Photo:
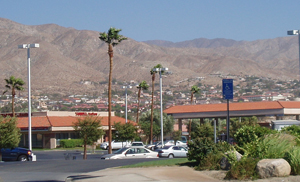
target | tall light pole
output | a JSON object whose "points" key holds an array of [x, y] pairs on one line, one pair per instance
{"points": [[126, 87], [296, 32], [28, 46], [161, 103]]}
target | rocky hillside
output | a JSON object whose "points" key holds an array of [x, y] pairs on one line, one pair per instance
{"points": [[67, 57]]}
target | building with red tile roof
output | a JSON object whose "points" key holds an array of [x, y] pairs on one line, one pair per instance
{"points": [[49, 127], [278, 109]]}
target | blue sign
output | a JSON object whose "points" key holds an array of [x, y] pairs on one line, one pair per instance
{"points": [[227, 85]]}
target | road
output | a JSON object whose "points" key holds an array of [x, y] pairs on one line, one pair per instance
{"points": [[56, 166]]}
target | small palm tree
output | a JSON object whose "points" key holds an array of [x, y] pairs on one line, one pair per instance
{"points": [[142, 86], [13, 84], [152, 102], [112, 38], [194, 89]]}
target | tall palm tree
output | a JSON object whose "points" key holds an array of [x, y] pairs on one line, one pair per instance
{"points": [[13, 84], [142, 86], [112, 38], [152, 102], [194, 89]]}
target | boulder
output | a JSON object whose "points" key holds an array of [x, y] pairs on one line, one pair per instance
{"points": [[267, 168]]}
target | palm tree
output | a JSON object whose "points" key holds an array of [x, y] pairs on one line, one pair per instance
{"points": [[152, 104], [194, 89], [143, 85], [13, 84], [112, 38]]}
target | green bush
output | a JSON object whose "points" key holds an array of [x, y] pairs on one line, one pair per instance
{"points": [[293, 158], [293, 130], [271, 146], [204, 130], [211, 162], [248, 134], [243, 169], [66, 143], [199, 148]]}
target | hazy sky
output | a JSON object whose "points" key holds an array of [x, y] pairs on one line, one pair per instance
{"points": [[172, 20]]}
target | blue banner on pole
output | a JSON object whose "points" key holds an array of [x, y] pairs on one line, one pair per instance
{"points": [[227, 85]]}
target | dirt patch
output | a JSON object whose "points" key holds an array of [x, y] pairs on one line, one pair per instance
{"points": [[220, 175]]}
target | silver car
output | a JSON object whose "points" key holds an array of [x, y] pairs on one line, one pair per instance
{"points": [[131, 153], [172, 151]]}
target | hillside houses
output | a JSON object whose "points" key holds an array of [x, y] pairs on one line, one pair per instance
{"points": [[246, 89]]}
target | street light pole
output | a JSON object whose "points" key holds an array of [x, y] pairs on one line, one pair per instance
{"points": [[161, 103], [28, 46], [296, 32], [127, 86]]}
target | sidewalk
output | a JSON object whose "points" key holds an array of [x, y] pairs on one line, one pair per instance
{"points": [[174, 174]]}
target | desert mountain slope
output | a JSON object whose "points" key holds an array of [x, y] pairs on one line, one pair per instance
{"points": [[67, 57]]}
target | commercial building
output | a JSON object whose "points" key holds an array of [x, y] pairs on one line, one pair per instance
{"points": [[48, 128]]}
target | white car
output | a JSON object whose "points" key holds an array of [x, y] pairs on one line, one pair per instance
{"points": [[141, 144], [115, 145], [166, 143], [182, 144], [131, 153], [172, 151]]}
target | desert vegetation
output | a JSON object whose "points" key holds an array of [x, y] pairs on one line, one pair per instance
{"points": [[252, 141]]}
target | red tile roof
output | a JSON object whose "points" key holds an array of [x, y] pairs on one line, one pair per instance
{"points": [[39, 121], [233, 106], [63, 121]]}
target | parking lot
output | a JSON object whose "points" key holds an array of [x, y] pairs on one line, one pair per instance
{"points": [[58, 165]]}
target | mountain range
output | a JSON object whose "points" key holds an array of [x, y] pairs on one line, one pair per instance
{"points": [[68, 60]]}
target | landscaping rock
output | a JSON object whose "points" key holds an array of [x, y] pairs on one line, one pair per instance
{"points": [[267, 168], [224, 164]]}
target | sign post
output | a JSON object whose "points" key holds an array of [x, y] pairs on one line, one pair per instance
{"points": [[227, 85]]}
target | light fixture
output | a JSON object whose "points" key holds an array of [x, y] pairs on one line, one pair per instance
{"points": [[28, 46]]}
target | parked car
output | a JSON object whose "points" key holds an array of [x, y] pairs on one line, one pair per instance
{"points": [[166, 143], [172, 151], [131, 153], [115, 145], [16, 154], [152, 146], [141, 144], [182, 144]]}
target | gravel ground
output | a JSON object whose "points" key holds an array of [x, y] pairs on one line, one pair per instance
{"points": [[220, 175]]}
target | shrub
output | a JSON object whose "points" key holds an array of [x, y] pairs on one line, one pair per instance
{"points": [[66, 143], [293, 130], [293, 158], [243, 169], [199, 148], [204, 130], [211, 162], [272, 146], [248, 134]]}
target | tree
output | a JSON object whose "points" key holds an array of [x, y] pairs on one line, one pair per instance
{"points": [[143, 85], [13, 84], [125, 131], [168, 123], [9, 133], [194, 89], [112, 38], [89, 131], [176, 135], [152, 102]]}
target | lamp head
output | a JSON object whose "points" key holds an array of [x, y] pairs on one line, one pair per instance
{"points": [[293, 32]]}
